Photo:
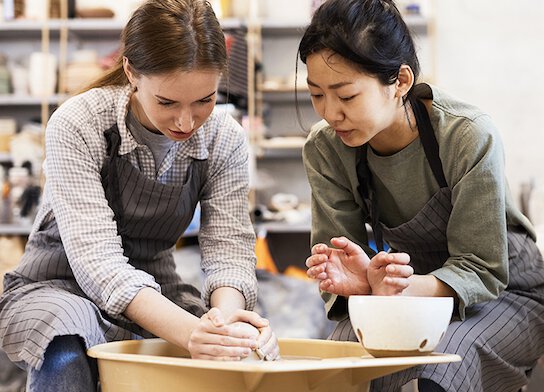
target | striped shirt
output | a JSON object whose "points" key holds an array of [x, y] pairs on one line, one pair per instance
{"points": [[74, 197]]}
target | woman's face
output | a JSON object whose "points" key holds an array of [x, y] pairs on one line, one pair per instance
{"points": [[356, 105], [175, 104]]}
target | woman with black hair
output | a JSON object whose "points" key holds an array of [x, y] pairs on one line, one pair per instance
{"points": [[426, 171]]}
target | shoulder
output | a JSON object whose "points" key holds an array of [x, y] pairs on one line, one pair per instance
{"points": [[92, 111], [455, 118], [222, 135], [466, 135]]}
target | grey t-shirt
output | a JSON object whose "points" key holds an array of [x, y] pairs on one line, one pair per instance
{"points": [[158, 143]]}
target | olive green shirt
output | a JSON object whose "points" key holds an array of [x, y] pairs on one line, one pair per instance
{"points": [[472, 157]]}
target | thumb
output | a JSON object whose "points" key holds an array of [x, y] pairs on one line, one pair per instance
{"points": [[350, 247]]}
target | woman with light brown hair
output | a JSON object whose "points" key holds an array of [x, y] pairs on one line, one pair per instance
{"points": [[127, 161]]}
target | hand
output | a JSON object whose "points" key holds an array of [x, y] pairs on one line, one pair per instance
{"points": [[267, 343], [217, 340], [340, 270], [388, 273]]}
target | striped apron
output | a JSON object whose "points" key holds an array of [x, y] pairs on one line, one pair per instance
{"points": [[42, 298], [500, 340]]}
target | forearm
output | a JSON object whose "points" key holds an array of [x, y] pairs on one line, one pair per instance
{"points": [[160, 316], [228, 300], [428, 286]]}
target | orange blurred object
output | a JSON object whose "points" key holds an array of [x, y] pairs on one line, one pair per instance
{"points": [[264, 258]]}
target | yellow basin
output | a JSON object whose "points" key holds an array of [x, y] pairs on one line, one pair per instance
{"points": [[155, 365]]}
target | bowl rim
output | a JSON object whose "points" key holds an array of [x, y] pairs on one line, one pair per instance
{"points": [[399, 298]]}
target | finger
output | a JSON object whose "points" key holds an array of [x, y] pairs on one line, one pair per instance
{"points": [[316, 260], [267, 347], [326, 285], [398, 258], [201, 338], [398, 283], [274, 355], [402, 271], [216, 317], [250, 317], [315, 271], [218, 352], [350, 247], [381, 260], [320, 249]]}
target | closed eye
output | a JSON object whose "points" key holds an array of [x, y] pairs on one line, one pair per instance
{"points": [[165, 103], [347, 99]]}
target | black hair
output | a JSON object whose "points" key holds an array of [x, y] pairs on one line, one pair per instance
{"points": [[371, 34]]}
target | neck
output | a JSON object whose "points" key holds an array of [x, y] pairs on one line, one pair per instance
{"points": [[396, 137], [139, 114]]}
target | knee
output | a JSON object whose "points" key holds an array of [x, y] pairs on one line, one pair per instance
{"points": [[66, 368], [63, 353]]}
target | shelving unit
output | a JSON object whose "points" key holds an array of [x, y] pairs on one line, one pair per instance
{"points": [[19, 38], [272, 46]]}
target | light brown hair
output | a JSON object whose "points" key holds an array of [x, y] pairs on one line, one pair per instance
{"points": [[163, 36]]}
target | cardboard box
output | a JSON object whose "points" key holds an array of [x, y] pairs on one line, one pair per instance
{"points": [[306, 365]]}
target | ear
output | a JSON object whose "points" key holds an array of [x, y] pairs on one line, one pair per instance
{"points": [[405, 81], [131, 75]]}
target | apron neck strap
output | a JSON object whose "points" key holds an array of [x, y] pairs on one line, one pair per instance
{"points": [[431, 149], [428, 141]]}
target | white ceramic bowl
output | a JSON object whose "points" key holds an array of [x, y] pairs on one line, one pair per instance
{"points": [[390, 326]]}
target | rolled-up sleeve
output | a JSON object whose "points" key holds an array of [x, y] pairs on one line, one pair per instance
{"points": [[477, 268], [227, 238]]}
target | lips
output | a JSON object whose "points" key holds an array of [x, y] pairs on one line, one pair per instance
{"points": [[180, 135], [343, 132]]}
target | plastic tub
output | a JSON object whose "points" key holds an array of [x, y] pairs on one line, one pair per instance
{"points": [[306, 365]]}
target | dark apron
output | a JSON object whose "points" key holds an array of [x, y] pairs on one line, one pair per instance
{"points": [[42, 298], [484, 342]]}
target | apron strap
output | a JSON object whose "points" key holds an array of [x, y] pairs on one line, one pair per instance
{"points": [[109, 172], [431, 149], [366, 190], [429, 142]]}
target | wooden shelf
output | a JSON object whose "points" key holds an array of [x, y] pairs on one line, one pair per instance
{"points": [[281, 147], [28, 100], [15, 229], [97, 27]]}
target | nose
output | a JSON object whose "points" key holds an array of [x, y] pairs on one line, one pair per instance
{"points": [[332, 112], [185, 122]]}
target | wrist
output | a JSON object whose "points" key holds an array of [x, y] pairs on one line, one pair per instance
{"points": [[228, 300]]}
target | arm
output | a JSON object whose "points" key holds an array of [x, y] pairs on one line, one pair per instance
{"points": [[336, 205], [477, 269], [227, 238]]}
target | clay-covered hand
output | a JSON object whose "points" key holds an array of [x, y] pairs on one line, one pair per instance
{"points": [[216, 339], [388, 273], [340, 270], [267, 343]]}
